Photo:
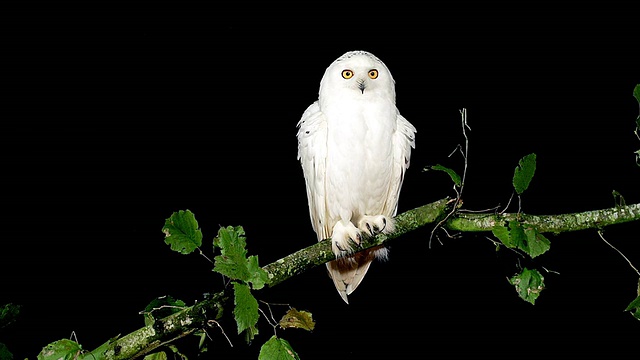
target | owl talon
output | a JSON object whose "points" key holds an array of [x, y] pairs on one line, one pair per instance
{"points": [[345, 237], [356, 242], [375, 224]]}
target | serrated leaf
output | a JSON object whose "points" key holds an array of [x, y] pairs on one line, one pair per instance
{"points": [[60, 350], [162, 307], [277, 349], [537, 244], [233, 262], [9, 314], [452, 174], [245, 310], [516, 233], [501, 232], [258, 276], [511, 236], [231, 241], [528, 284], [182, 232], [522, 236], [297, 319], [524, 173], [635, 304]]}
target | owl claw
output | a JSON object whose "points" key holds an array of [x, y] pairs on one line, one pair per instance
{"points": [[357, 240], [375, 224], [344, 238]]}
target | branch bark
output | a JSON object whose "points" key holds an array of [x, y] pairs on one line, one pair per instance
{"points": [[163, 331], [321, 253], [595, 219], [191, 319]]}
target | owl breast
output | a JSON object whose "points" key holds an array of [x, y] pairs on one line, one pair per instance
{"points": [[359, 158]]}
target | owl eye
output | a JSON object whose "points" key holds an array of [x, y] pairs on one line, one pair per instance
{"points": [[373, 73], [347, 74]]}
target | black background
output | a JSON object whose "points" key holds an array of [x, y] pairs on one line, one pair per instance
{"points": [[116, 121]]}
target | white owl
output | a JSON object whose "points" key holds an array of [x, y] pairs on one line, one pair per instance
{"points": [[354, 148]]}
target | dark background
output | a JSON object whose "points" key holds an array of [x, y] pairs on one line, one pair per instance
{"points": [[115, 122]]}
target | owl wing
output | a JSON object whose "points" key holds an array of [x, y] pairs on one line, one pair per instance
{"points": [[404, 139], [312, 153]]}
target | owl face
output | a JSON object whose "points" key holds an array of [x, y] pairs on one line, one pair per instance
{"points": [[357, 74]]}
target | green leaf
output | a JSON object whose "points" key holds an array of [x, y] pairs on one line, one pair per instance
{"points": [[258, 276], [634, 307], [233, 262], [522, 236], [60, 350], [246, 310], [297, 319], [182, 232], [452, 174], [501, 232], [528, 284], [524, 173], [5, 354], [511, 237], [516, 233], [162, 307], [536, 244], [9, 314], [160, 355], [277, 349]]}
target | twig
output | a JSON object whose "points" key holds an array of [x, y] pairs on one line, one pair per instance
{"points": [[465, 154], [619, 252]]}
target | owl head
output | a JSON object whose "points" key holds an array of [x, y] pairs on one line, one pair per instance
{"points": [[357, 74]]}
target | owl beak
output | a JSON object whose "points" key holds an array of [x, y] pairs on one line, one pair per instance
{"points": [[361, 86]]}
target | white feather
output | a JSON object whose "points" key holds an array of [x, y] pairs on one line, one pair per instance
{"points": [[354, 148]]}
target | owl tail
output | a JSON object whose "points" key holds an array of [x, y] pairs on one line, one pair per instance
{"points": [[347, 272]]}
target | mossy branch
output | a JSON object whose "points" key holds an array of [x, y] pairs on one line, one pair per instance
{"points": [[596, 219], [199, 316], [162, 331], [320, 253]]}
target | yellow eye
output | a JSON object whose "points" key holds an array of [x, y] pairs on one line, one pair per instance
{"points": [[347, 74], [373, 73]]}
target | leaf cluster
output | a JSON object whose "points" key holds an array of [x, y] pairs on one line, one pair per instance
{"points": [[246, 275]]}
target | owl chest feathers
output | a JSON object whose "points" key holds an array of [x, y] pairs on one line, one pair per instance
{"points": [[359, 164]]}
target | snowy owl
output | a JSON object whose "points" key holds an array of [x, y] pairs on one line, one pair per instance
{"points": [[354, 148]]}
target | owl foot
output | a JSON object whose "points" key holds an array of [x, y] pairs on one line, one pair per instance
{"points": [[373, 225], [345, 235]]}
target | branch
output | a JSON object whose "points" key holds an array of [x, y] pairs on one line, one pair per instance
{"points": [[470, 222], [321, 253], [196, 317], [161, 332]]}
